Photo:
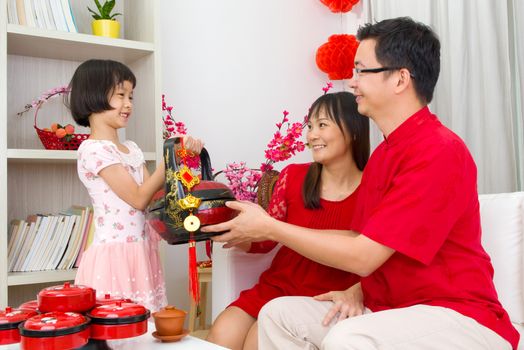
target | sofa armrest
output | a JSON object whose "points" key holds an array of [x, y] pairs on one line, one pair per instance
{"points": [[233, 271]]}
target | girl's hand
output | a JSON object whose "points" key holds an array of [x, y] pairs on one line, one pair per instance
{"points": [[193, 144], [347, 303]]}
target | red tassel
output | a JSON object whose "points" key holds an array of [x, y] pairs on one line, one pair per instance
{"points": [[194, 289], [209, 248]]}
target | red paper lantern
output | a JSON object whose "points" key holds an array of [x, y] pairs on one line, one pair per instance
{"points": [[337, 55], [339, 5]]}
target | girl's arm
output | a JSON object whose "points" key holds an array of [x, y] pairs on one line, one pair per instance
{"points": [[139, 196], [125, 187]]}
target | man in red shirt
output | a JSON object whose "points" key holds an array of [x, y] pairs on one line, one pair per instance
{"points": [[427, 282]]}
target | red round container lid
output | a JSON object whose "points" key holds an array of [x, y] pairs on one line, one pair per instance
{"points": [[118, 310], [118, 313], [107, 299], [29, 305], [56, 320], [65, 290], [10, 318]]}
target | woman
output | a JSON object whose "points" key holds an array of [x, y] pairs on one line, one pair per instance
{"points": [[319, 195]]}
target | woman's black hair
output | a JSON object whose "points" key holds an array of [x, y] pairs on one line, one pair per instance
{"points": [[91, 85], [341, 107]]}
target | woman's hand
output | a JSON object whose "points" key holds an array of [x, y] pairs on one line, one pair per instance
{"points": [[347, 303]]}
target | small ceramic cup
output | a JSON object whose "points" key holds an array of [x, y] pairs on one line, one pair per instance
{"points": [[169, 321]]}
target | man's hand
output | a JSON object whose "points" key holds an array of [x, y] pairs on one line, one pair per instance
{"points": [[250, 225], [347, 303]]}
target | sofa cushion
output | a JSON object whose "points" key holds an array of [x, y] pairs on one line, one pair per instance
{"points": [[502, 237]]}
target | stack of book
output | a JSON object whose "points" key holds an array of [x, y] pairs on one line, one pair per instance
{"points": [[46, 14], [50, 242]]}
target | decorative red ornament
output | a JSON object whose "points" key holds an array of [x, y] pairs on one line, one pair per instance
{"points": [[337, 55], [339, 5]]}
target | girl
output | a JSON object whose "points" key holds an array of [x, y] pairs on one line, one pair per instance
{"points": [[123, 259], [319, 195]]}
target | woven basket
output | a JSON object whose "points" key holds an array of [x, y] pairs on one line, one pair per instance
{"points": [[51, 141]]}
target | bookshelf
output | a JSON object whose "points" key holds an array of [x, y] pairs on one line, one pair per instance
{"points": [[34, 60]]}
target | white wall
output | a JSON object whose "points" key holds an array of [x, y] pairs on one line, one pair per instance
{"points": [[230, 68]]}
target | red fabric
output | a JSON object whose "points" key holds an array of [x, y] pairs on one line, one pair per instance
{"points": [[419, 196], [290, 273], [337, 55]]}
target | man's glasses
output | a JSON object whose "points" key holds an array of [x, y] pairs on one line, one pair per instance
{"points": [[358, 71]]}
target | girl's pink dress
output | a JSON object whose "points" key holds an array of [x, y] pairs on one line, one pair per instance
{"points": [[123, 259]]}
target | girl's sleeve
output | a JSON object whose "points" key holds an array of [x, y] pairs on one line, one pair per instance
{"points": [[99, 156], [277, 208]]}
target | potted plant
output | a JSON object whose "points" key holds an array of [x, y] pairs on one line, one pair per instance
{"points": [[104, 23]]}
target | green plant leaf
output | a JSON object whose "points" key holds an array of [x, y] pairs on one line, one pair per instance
{"points": [[116, 14], [94, 14], [99, 7], [107, 8]]}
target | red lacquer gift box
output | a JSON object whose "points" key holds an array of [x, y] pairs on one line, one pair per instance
{"points": [[10, 319], [68, 297], [117, 321], [54, 330]]}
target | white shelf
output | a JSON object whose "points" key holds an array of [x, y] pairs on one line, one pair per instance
{"points": [[51, 156], [36, 42], [24, 278]]}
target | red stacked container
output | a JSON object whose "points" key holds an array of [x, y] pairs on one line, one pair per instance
{"points": [[118, 320], [54, 330], [10, 319], [74, 298]]}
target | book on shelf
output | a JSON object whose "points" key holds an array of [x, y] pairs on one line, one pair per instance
{"points": [[17, 245], [85, 238], [36, 261], [14, 240], [50, 247], [68, 14], [39, 233], [29, 14], [58, 15], [62, 241], [73, 245], [49, 242], [12, 16], [20, 12], [37, 11], [45, 14], [49, 15], [27, 242]]}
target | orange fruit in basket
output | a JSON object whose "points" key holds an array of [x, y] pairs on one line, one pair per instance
{"points": [[54, 127], [69, 129], [60, 133]]}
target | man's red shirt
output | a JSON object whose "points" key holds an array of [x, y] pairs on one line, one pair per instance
{"points": [[419, 197]]}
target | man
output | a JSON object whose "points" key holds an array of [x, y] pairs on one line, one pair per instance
{"points": [[426, 280]]}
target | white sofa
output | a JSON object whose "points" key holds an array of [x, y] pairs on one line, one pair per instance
{"points": [[502, 217]]}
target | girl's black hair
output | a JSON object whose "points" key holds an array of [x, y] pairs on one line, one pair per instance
{"points": [[91, 85], [341, 107]]}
